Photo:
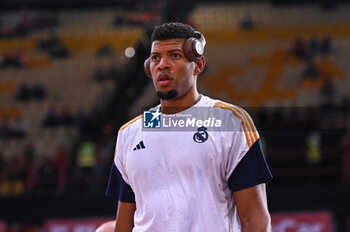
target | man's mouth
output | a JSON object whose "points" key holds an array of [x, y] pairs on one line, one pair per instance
{"points": [[164, 79]]}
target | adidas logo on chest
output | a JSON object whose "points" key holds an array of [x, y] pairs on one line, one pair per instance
{"points": [[139, 146]]}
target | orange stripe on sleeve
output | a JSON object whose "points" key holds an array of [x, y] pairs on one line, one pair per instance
{"points": [[115, 152], [243, 123], [248, 126], [122, 128], [249, 121], [131, 121], [249, 130]]}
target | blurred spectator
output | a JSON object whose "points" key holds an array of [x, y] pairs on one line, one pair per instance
{"points": [[26, 23], [59, 51], [4, 172], [100, 74], [18, 128], [24, 92], [52, 118], [12, 128], [43, 21], [60, 163], [34, 92], [118, 21], [102, 166], [139, 13], [38, 92], [86, 159], [246, 22], [88, 126], [32, 167], [104, 50], [17, 174], [17, 30], [5, 130], [326, 45], [327, 92], [113, 72], [47, 43], [311, 71], [313, 47], [46, 176], [314, 154], [299, 47], [54, 47], [63, 117], [11, 60], [177, 10], [66, 117], [139, 18], [317, 46]]}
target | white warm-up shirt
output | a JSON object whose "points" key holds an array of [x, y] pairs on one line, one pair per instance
{"points": [[183, 178]]}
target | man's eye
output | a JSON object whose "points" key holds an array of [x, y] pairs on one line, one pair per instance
{"points": [[175, 55], [154, 58]]}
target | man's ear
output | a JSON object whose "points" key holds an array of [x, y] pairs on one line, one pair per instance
{"points": [[200, 64]]}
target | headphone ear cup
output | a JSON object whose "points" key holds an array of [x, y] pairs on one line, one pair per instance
{"points": [[188, 49], [193, 49], [147, 68]]}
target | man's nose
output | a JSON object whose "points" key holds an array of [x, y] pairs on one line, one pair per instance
{"points": [[164, 64]]}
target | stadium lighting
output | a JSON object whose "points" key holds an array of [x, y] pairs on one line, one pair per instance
{"points": [[129, 52]]}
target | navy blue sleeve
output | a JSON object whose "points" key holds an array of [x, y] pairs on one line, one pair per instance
{"points": [[251, 170], [117, 187]]}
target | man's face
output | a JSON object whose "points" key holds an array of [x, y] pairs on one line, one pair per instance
{"points": [[170, 69]]}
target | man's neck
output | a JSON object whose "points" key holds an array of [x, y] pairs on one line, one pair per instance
{"points": [[173, 106]]}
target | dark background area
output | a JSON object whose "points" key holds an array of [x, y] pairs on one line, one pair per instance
{"points": [[299, 184]]}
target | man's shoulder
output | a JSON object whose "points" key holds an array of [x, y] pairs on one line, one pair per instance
{"points": [[132, 123], [136, 122], [241, 116], [227, 110], [231, 109], [223, 104]]}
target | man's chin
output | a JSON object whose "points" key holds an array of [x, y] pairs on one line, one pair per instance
{"points": [[171, 94]]}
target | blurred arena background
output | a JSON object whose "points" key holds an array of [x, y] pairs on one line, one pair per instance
{"points": [[71, 73]]}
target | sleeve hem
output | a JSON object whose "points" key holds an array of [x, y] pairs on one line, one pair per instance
{"points": [[250, 185], [251, 170]]}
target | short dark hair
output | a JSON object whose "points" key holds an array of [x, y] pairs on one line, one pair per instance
{"points": [[173, 30]]}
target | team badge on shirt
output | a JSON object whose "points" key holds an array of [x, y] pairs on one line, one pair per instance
{"points": [[201, 135]]}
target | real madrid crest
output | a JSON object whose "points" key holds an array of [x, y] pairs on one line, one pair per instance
{"points": [[201, 135]]}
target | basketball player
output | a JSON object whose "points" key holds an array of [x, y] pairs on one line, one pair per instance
{"points": [[195, 180]]}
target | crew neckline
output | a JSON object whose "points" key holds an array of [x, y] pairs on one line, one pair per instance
{"points": [[199, 103]]}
